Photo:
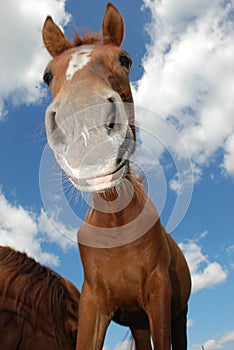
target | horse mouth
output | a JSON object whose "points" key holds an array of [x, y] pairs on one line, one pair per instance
{"points": [[102, 183]]}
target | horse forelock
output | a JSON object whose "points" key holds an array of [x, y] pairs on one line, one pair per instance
{"points": [[34, 285], [87, 39]]}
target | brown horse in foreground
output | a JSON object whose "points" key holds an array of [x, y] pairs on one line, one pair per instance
{"points": [[134, 273], [38, 308]]}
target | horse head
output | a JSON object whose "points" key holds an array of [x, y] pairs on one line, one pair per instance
{"points": [[90, 122]]}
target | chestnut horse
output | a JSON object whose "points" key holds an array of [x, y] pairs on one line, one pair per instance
{"points": [[134, 273], [38, 308]]}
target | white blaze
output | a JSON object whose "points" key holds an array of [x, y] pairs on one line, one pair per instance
{"points": [[78, 60]]}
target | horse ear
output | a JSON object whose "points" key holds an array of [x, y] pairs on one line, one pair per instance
{"points": [[54, 39], [112, 26]]}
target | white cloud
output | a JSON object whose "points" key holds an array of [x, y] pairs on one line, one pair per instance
{"points": [[23, 58], [56, 231], [204, 273], [225, 341], [230, 253], [228, 161], [227, 338], [187, 178], [125, 345], [190, 323], [189, 74], [24, 230]]}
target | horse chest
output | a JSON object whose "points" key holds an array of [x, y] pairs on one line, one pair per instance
{"points": [[120, 273]]}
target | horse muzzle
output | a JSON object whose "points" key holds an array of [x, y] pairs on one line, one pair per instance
{"points": [[92, 145]]}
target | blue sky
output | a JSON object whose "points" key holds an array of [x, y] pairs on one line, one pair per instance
{"points": [[183, 84]]}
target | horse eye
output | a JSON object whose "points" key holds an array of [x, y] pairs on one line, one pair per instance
{"points": [[48, 76], [125, 62]]}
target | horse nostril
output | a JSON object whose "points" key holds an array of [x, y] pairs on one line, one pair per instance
{"points": [[51, 117], [111, 121], [53, 123], [50, 121], [55, 132], [111, 117]]}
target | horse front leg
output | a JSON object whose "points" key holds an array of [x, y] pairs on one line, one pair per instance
{"points": [[142, 339], [92, 323], [158, 309], [179, 331]]}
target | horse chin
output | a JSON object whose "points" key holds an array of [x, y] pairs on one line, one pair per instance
{"points": [[102, 183]]}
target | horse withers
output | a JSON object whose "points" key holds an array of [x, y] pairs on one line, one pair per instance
{"points": [[134, 272]]}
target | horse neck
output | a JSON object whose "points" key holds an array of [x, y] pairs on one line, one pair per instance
{"points": [[118, 206], [118, 217]]}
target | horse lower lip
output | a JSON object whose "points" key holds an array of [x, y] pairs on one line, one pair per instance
{"points": [[100, 180], [101, 183], [107, 181]]}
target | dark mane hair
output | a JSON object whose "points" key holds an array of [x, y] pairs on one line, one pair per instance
{"points": [[87, 39], [32, 284]]}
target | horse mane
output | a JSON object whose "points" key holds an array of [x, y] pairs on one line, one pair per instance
{"points": [[32, 284], [87, 39], [138, 182]]}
